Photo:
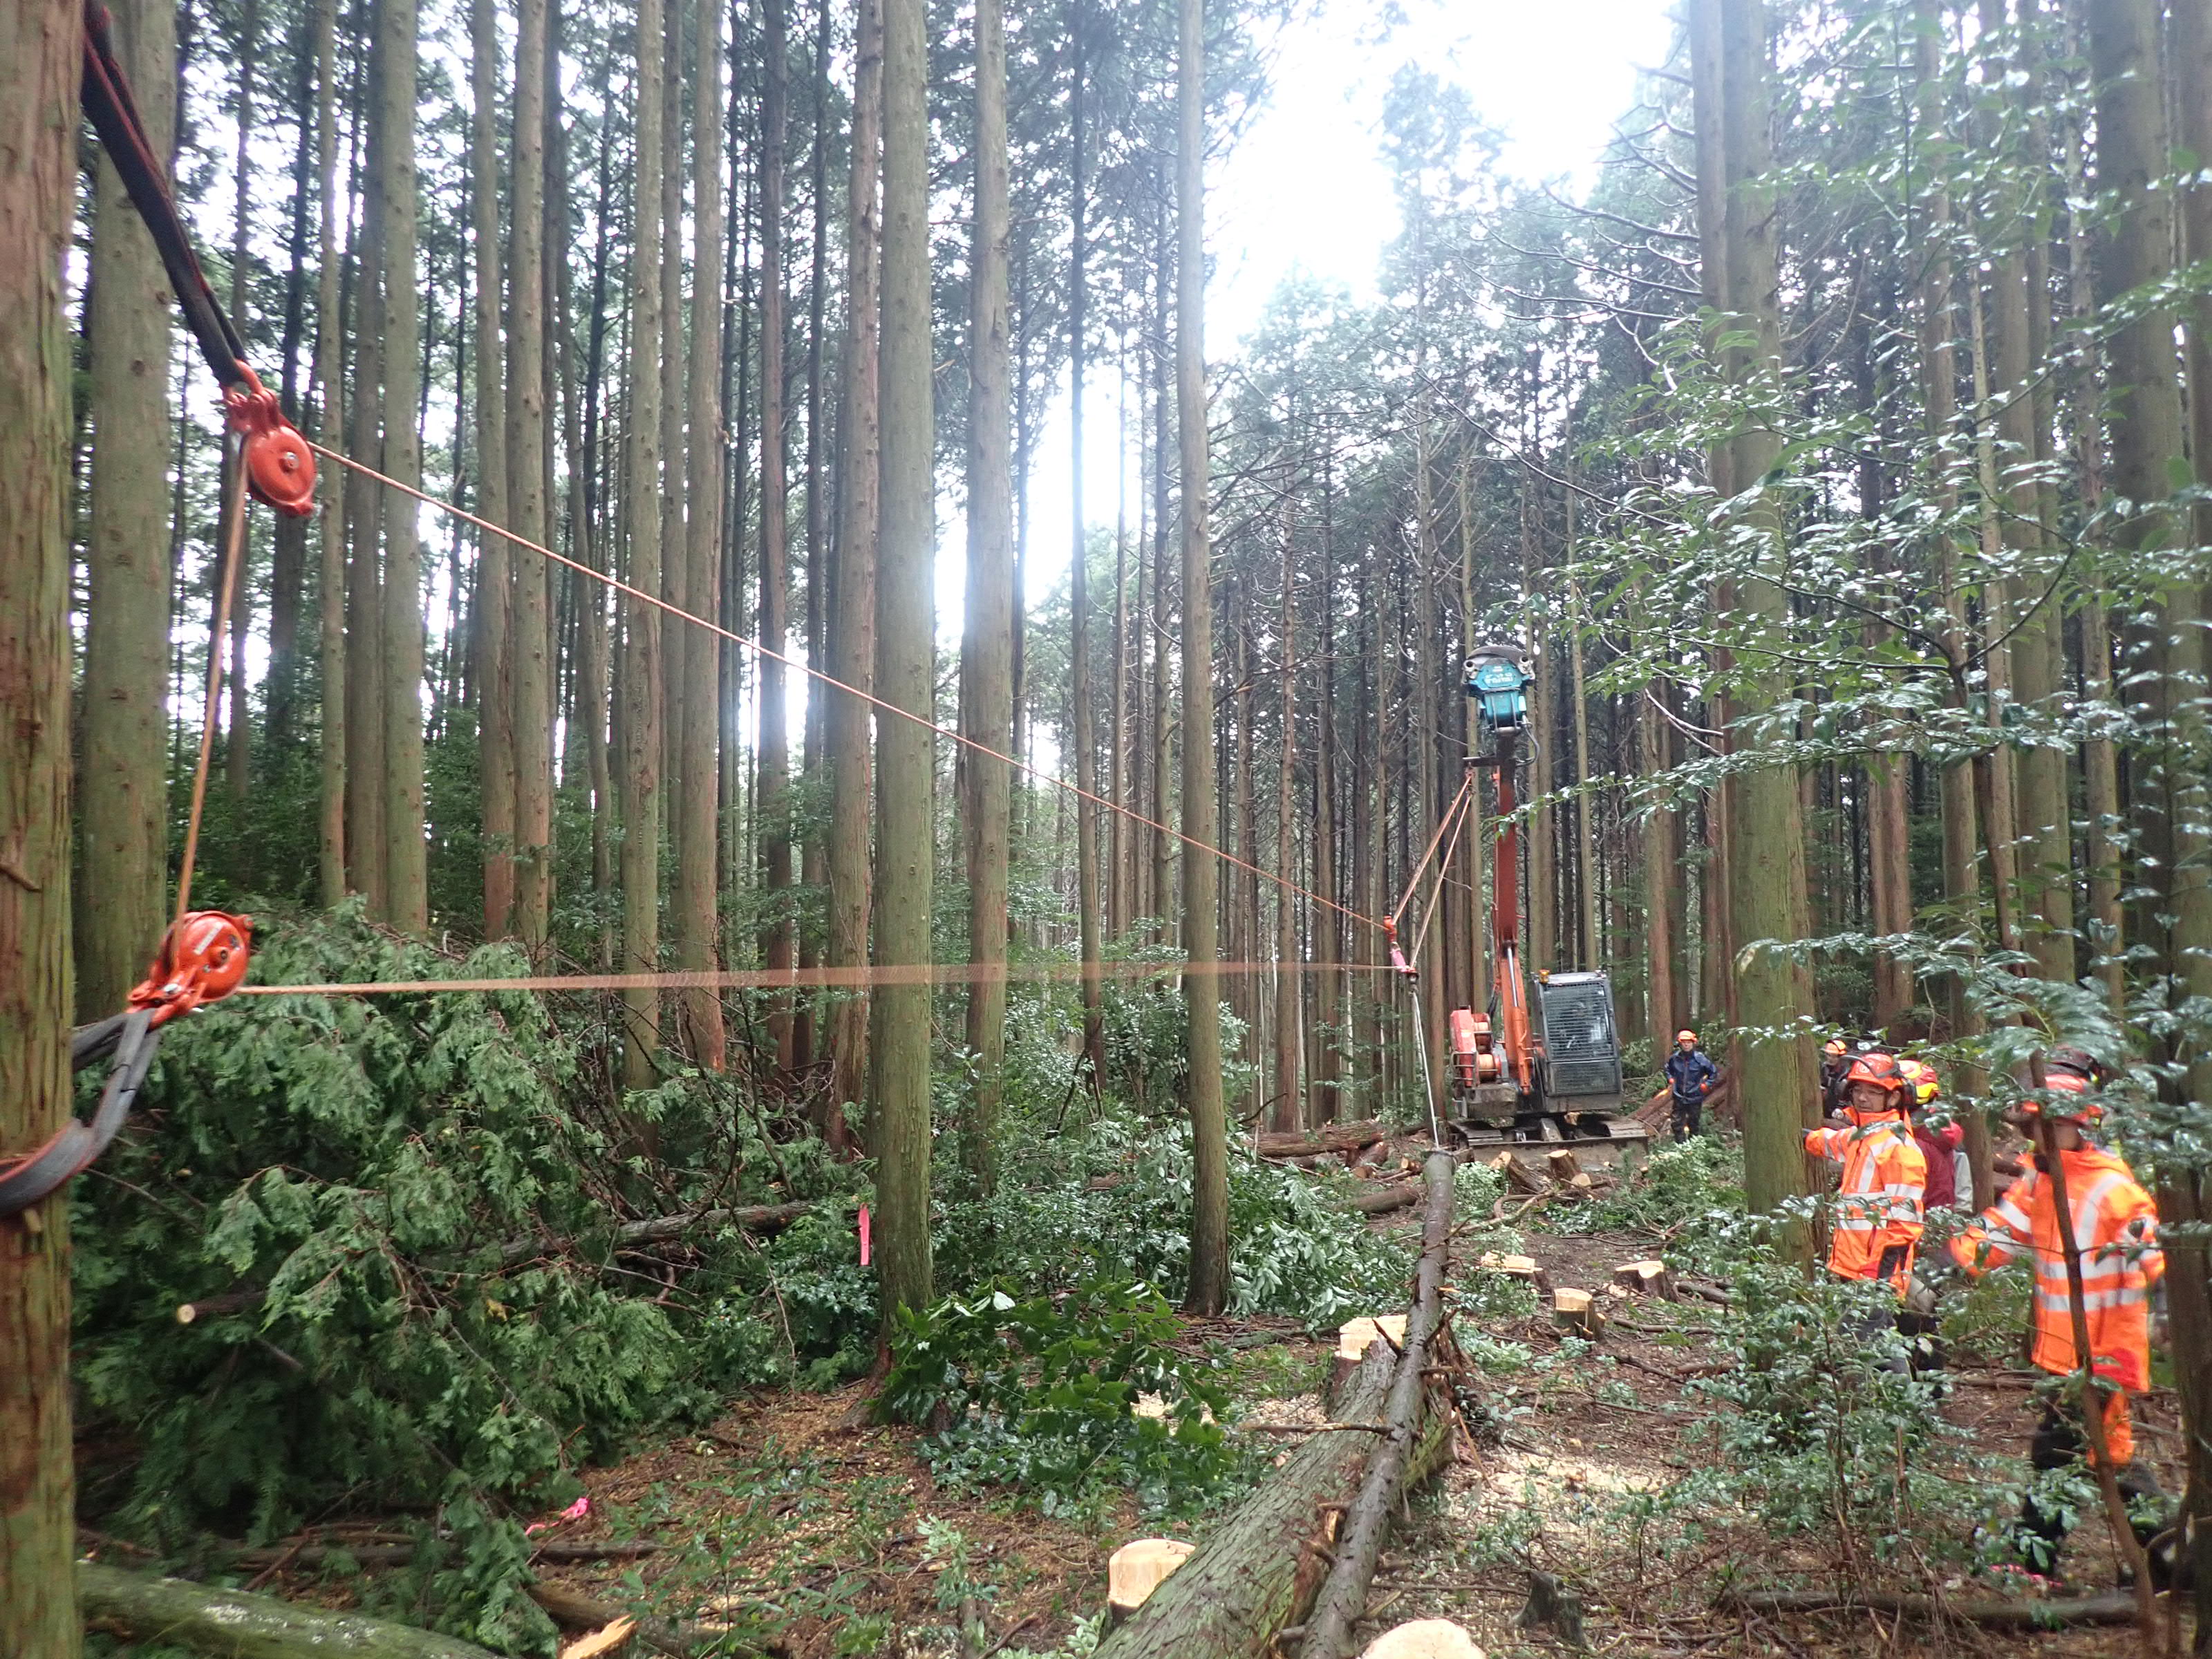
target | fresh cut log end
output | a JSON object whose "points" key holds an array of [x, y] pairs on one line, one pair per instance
{"points": [[1137, 1569], [1424, 1638]]}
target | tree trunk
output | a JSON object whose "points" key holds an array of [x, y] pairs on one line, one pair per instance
{"points": [[233, 1624], [123, 778], [330, 423], [1289, 1099], [1207, 1292], [366, 819], [853, 629], [772, 806], [699, 783], [1666, 911], [986, 653], [2167, 774], [40, 46], [406, 867], [1767, 880], [641, 660], [237, 751], [813, 868], [495, 556], [530, 724], [1086, 754], [905, 676]]}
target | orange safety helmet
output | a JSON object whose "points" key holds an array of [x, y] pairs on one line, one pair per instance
{"points": [[1690, 1038], [1835, 1048], [1883, 1073], [1920, 1077], [2083, 1111]]}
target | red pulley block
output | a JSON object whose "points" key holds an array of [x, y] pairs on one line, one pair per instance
{"points": [[280, 468], [202, 960]]}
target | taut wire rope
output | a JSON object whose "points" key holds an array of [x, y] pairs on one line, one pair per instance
{"points": [[947, 732]]}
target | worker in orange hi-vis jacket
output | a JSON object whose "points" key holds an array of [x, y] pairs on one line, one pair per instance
{"points": [[1878, 1220], [2115, 1235]]}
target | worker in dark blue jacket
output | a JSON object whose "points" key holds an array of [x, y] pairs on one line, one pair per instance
{"points": [[1691, 1075]]}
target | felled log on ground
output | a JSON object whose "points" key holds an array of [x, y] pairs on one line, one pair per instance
{"points": [[308, 1556], [1652, 1277], [2113, 1608], [1331, 1137], [141, 1608], [574, 1610], [1384, 1197], [1579, 1311], [1343, 1595], [1138, 1568], [1259, 1566], [1425, 1638]]}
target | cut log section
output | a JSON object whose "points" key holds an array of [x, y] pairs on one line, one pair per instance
{"points": [[1137, 1569], [1336, 1138], [1579, 1311], [236, 1625], [1425, 1638], [1355, 1336], [1652, 1277], [1564, 1168], [1342, 1599]]}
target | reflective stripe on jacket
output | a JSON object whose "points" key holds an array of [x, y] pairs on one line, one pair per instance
{"points": [[1878, 1207], [2116, 1228]]}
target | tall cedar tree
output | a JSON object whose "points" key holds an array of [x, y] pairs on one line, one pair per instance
{"points": [[700, 654], [1207, 1291], [986, 653], [853, 623], [528, 494], [493, 600], [123, 776], [899, 1127], [772, 806], [642, 668], [39, 44]]}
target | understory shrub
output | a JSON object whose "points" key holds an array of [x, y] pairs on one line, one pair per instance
{"points": [[1041, 1393], [1111, 1199], [400, 1212]]}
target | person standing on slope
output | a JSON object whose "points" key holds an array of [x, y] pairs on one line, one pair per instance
{"points": [[1691, 1075], [1878, 1205], [2116, 1237]]}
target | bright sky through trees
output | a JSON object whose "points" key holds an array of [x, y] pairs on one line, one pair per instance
{"points": [[1306, 189]]}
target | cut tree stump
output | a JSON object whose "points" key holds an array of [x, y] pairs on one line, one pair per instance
{"points": [[1355, 1336], [236, 1625], [1522, 1267], [1564, 1168], [1425, 1638], [1579, 1311], [1647, 1278], [1138, 1568], [1518, 1176]]}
